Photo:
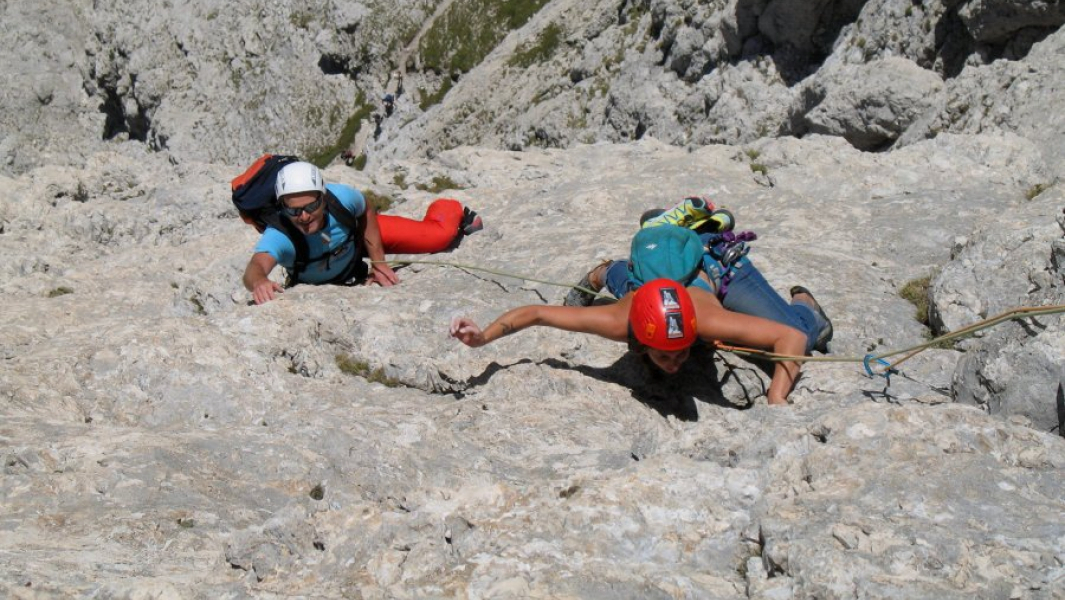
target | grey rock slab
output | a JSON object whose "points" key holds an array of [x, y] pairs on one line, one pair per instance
{"points": [[891, 94], [160, 433]]}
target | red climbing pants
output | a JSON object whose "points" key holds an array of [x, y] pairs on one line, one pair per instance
{"points": [[434, 233]]}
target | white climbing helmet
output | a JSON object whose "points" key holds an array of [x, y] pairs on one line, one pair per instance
{"points": [[298, 177]]}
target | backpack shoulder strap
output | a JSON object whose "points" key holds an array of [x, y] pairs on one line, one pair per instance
{"points": [[340, 212], [299, 243]]}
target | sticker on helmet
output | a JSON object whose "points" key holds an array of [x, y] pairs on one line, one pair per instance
{"points": [[674, 326], [669, 298]]}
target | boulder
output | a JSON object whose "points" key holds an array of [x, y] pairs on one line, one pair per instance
{"points": [[871, 105]]}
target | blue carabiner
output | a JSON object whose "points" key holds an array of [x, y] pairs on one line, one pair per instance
{"points": [[869, 369]]}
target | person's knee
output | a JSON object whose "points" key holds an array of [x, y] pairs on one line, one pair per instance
{"points": [[444, 208]]}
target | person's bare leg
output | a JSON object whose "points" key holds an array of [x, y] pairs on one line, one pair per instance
{"points": [[593, 281]]}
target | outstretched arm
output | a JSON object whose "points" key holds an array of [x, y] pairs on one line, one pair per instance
{"points": [[256, 277], [380, 272], [717, 323], [605, 321]]}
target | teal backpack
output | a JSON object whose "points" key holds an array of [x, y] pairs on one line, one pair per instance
{"points": [[665, 251]]}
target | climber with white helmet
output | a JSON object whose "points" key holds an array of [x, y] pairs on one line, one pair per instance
{"points": [[331, 229]]}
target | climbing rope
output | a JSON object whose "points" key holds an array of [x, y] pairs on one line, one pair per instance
{"points": [[877, 364], [874, 364], [484, 270]]}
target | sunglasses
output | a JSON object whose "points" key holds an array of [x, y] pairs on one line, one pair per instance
{"points": [[295, 211]]}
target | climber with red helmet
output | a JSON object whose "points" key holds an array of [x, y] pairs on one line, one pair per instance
{"points": [[661, 319], [662, 316]]}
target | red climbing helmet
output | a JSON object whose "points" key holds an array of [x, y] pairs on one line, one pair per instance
{"points": [[662, 315]]}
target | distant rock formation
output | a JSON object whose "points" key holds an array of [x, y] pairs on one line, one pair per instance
{"points": [[226, 82]]}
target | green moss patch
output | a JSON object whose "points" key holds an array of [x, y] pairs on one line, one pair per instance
{"points": [[439, 184], [381, 203], [460, 38], [540, 51], [916, 292], [322, 157], [1035, 190], [428, 99], [352, 366]]}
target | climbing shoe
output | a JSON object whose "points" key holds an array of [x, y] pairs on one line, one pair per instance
{"points": [[582, 293], [471, 222], [825, 335], [690, 213], [654, 213], [720, 221]]}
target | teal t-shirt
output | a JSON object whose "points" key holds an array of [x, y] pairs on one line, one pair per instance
{"points": [[334, 244]]}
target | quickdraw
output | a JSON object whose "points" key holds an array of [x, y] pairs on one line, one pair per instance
{"points": [[886, 373], [728, 248]]}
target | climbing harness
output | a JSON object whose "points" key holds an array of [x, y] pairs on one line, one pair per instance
{"points": [[728, 248]]}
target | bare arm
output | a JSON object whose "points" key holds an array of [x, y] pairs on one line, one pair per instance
{"points": [[715, 322], [257, 277], [610, 321], [380, 273]]}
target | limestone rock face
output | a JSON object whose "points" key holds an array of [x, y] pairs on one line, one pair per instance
{"points": [[877, 73], [1000, 266], [204, 80], [1004, 95], [872, 104], [229, 81], [46, 116], [806, 28], [1012, 370], [162, 437]]}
